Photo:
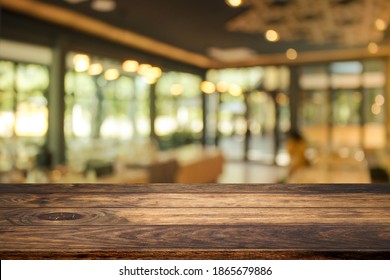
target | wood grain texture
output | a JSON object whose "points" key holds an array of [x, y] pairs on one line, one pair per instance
{"points": [[198, 188], [245, 237], [192, 216], [176, 221], [195, 200]]}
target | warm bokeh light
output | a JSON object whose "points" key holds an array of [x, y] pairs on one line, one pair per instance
{"points": [[380, 24], [103, 5], [176, 89], [222, 86], [144, 69], [111, 74], [235, 90], [207, 87], [149, 79], [291, 54], [380, 99], [155, 72], [95, 69], [130, 65], [234, 3], [373, 48], [376, 109], [359, 156], [81, 62], [282, 99], [272, 35]]}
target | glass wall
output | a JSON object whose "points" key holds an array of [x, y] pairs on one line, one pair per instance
{"points": [[106, 109], [23, 113], [272, 108], [374, 111], [343, 104], [178, 110], [253, 114], [314, 106]]}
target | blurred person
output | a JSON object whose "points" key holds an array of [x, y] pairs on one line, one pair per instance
{"points": [[296, 147]]}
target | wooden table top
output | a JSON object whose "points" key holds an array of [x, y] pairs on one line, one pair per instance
{"points": [[173, 221]]}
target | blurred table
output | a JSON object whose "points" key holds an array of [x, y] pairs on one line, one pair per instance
{"points": [[350, 167], [317, 175], [187, 164], [124, 176], [194, 221]]}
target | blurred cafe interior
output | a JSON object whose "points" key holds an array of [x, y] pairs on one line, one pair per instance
{"points": [[195, 91]]}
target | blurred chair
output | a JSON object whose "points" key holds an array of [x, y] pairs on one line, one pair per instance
{"points": [[163, 171], [296, 147], [379, 175]]}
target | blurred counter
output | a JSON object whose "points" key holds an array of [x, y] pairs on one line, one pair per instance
{"points": [[340, 166]]}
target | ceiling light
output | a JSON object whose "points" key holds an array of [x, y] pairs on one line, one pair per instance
{"points": [[207, 87], [291, 54], [380, 24], [149, 80], [95, 69], [373, 48], [234, 3], [103, 5], [222, 86], [144, 69], [272, 35], [81, 62], [111, 74], [155, 72], [235, 90], [130, 65]]}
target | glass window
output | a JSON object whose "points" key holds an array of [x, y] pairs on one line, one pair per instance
{"points": [[346, 75], [178, 109], [253, 112], [23, 111], [106, 109], [350, 112]]}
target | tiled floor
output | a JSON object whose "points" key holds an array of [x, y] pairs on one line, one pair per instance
{"points": [[242, 172]]}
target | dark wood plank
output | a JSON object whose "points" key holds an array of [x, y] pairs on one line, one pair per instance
{"points": [[197, 188], [244, 237], [197, 255], [195, 200], [192, 216]]}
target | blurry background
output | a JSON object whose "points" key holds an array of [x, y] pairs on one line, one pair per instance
{"points": [[113, 90]]}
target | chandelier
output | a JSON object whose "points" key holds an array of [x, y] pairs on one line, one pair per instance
{"points": [[344, 22]]}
